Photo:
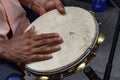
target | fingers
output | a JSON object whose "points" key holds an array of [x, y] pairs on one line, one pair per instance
{"points": [[45, 36], [42, 54], [41, 7], [46, 42], [46, 49], [52, 4], [59, 6], [31, 30], [38, 7], [34, 58], [42, 10]]}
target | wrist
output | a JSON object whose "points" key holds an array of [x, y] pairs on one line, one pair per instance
{"points": [[3, 48]]}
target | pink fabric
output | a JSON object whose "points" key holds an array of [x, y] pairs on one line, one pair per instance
{"points": [[12, 16]]}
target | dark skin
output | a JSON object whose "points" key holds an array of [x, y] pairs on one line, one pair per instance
{"points": [[29, 47], [43, 6]]}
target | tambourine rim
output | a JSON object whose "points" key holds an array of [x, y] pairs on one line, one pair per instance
{"points": [[77, 61]]}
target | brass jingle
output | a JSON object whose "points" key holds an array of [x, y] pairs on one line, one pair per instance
{"points": [[101, 38], [80, 67], [43, 78]]}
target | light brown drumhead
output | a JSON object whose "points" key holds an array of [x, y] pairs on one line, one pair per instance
{"points": [[78, 29]]}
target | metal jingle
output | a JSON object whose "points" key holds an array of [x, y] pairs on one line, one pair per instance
{"points": [[43, 78], [81, 67], [101, 38]]}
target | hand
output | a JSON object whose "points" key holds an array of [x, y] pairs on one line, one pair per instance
{"points": [[42, 6], [30, 47]]}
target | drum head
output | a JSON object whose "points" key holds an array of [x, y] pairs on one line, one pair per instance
{"points": [[78, 29]]}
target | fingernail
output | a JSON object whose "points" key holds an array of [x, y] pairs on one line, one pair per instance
{"points": [[50, 56], [60, 39], [62, 10], [57, 47]]}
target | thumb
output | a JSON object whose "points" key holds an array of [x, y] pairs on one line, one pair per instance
{"points": [[31, 30]]}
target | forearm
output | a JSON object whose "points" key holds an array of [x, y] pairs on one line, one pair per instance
{"points": [[3, 48]]}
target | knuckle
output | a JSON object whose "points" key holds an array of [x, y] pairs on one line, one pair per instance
{"points": [[42, 50]]}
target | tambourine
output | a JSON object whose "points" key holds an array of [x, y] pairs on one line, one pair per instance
{"points": [[81, 35]]}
